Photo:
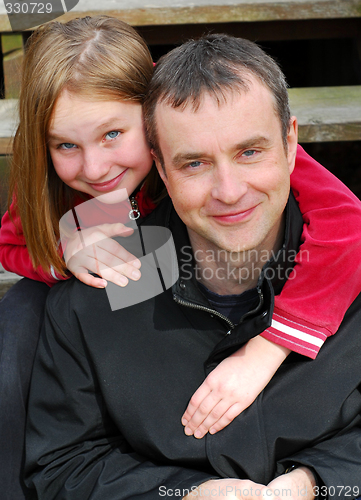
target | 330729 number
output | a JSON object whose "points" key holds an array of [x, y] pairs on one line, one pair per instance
{"points": [[28, 8], [336, 491]]}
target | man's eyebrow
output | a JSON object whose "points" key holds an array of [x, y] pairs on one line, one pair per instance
{"points": [[179, 158], [253, 142], [261, 141]]}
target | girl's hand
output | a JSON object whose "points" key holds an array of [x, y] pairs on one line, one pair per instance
{"points": [[232, 386], [94, 250]]}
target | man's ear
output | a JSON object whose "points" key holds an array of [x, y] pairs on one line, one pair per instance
{"points": [[292, 140], [161, 170]]}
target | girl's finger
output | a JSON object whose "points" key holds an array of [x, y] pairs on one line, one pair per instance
{"points": [[201, 393], [90, 280], [226, 419], [201, 413]]}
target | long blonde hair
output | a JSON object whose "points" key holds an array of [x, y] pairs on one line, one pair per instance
{"points": [[100, 58]]}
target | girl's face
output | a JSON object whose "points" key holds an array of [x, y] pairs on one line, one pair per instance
{"points": [[98, 147]]}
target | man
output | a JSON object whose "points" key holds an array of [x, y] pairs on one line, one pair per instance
{"points": [[109, 387]]}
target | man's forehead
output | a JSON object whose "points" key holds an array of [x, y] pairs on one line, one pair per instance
{"points": [[220, 97]]}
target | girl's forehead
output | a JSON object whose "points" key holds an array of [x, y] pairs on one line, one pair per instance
{"points": [[77, 112]]}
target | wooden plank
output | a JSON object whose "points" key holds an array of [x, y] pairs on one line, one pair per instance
{"points": [[4, 172], [13, 54], [8, 124], [327, 113], [324, 114], [6, 144], [159, 12]]}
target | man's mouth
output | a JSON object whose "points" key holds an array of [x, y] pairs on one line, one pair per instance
{"points": [[234, 216]]}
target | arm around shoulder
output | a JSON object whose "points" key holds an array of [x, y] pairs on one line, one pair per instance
{"points": [[327, 277]]}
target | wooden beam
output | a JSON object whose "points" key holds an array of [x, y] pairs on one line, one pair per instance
{"points": [[327, 114], [6, 145], [138, 13], [13, 54], [8, 124]]}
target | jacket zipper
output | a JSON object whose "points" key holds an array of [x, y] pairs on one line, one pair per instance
{"points": [[134, 213], [216, 313], [206, 309]]}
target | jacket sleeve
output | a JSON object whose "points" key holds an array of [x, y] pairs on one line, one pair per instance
{"points": [[327, 275], [73, 449], [336, 462], [14, 255]]}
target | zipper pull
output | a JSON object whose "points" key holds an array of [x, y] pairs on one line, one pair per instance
{"points": [[134, 214]]}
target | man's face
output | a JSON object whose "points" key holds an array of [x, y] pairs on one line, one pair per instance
{"points": [[227, 170]]}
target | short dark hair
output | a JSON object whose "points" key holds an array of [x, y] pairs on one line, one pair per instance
{"points": [[214, 64]]}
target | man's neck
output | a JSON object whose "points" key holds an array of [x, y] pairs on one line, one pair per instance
{"points": [[231, 273]]}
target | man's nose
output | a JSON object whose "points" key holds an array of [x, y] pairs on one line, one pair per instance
{"points": [[228, 187], [96, 163]]}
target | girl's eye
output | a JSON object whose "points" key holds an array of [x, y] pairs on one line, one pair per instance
{"points": [[112, 135], [67, 145]]}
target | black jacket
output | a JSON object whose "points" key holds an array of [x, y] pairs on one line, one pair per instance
{"points": [[109, 388]]}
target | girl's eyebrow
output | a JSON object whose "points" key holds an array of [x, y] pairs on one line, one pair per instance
{"points": [[53, 137], [115, 122], [112, 122]]}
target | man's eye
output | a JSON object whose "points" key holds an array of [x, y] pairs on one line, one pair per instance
{"points": [[112, 135], [194, 164], [249, 153], [67, 145]]}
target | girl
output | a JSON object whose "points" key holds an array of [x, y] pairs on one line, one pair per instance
{"points": [[81, 134]]}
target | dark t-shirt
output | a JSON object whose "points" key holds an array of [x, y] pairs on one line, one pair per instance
{"points": [[232, 306]]}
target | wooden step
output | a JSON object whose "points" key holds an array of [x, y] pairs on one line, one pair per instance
{"points": [[325, 114], [161, 12], [8, 124]]}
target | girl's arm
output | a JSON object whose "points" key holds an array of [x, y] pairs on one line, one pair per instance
{"points": [[327, 275], [14, 255], [115, 263]]}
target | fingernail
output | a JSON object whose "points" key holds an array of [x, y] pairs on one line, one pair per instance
{"points": [[136, 263], [122, 281], [188, 431], [136, 275], [198, 434], [184, 421], [102, 284], [212, 431]]}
